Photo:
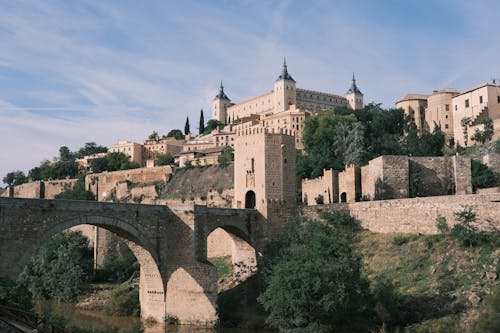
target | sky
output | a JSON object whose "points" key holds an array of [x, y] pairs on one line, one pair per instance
{"points": [[99, 71]]}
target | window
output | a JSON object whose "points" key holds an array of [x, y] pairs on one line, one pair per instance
{"points": [[498, 99], [447, 107], [446, 116], [456, 107], [480, 99], [467, 103], [446, 126]]}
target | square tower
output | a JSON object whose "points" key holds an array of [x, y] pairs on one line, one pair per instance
{"points": [[264, 169]]}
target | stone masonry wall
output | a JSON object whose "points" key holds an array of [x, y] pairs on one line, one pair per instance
{"points": [[350, 184], [326, 186], [103, 184], [416, 215], [41, 189], [435, 175]]}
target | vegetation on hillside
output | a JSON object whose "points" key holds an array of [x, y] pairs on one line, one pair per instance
{"points": [[344, 137], [78, 192]]}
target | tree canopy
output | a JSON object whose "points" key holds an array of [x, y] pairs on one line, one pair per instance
{"points": [[187, 130], [344, 136], [60, 268], [315, 281], [15, 178], [112, 162], [176, 134], [201, 127]]}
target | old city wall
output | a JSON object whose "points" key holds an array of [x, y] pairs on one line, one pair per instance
{"points": [[349, 184], [103, 185], [40, 189], [492, 160], [434, 175], [416, 215], [325, 186]]}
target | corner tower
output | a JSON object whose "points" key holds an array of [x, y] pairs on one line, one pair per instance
{"points": [[284, 90], [354, 96], [219, 106]]}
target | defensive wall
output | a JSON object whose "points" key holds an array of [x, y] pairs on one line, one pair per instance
{"points": [[392, 177], [415, 215], [40, 189]]}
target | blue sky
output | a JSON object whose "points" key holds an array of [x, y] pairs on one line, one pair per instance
{"points": [[78, 71]]}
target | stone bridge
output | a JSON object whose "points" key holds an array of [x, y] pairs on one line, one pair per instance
{"points": [[170, 243]]}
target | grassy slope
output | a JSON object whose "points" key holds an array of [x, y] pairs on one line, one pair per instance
{"points": [[435, 270]]}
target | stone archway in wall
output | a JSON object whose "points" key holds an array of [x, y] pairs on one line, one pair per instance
{"points": [[230, 242], [250, 199], [343, 197], [151, 284]]}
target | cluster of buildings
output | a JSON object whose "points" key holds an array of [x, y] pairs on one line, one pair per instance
{"points": [[286, 107], [449, 107], [282, 110]]}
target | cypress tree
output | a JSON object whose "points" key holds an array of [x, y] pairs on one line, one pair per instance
{"points": [[202, 122], [186, 127]]}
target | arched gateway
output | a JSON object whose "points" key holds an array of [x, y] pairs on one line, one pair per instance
{"points": [[175, 279]]}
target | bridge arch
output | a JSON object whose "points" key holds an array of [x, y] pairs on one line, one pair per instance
{"points": [[152, 292]]}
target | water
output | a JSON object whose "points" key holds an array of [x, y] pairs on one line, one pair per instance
{"points": [[98, 319]]}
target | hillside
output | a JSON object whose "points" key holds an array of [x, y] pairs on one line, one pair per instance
{"points": [[436, 279], [187, 183]]}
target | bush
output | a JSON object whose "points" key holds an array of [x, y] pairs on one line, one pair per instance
{"points": [[315, 282], [482, 176], [77, 193], [117, 269], [14, 295], [61, 267], [442, 225], [124, 301], [400, 240], [464, 231], [319, 200]]}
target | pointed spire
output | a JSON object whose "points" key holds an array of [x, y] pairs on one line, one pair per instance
{"points": [[354, 87], [284, 73], [221, 94]]}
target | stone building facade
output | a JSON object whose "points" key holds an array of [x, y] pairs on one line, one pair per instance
{"points": [[448, 107]]}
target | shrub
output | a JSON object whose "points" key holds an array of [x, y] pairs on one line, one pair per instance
{"points": [[481, 175], [124, 301], [315, 281], [117, 269], [464, 231], [442, 225], [319, 200], [61, 267], [14, 295], [489, 317], [400, 240]]}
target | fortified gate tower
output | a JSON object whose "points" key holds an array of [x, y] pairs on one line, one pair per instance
{"points": [[264, 173]]}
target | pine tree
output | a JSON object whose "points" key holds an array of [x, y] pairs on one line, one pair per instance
{"points": [[202, 122], [186, 127]]}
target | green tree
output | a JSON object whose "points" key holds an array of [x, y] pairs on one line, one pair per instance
{"points": [[90, 148], [112, 162], [226, 156], [186, 127], [201, 127], [77, 193], [14, 295], [315, 282], [154, 136], [15, 178], [486, 134], [481, 175], [319, 141], [61, 267], [54, 170], [426, 144], [65, 154], [465, 123], [175, 133], [164, 159], [213, 124], [349, 143]]}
